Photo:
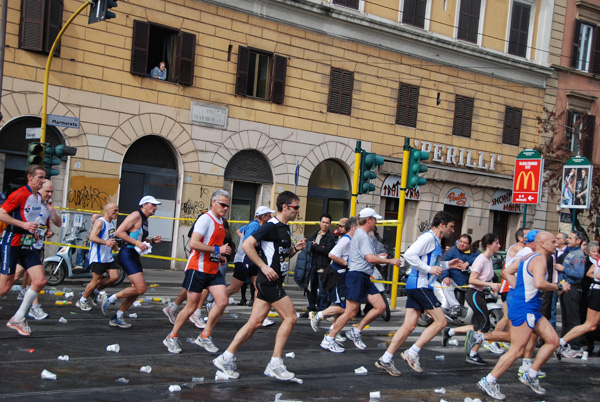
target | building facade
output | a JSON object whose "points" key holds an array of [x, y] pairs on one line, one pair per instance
{"points": [[265, 96]]}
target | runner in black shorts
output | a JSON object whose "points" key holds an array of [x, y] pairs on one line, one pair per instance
{"points": [[276, 244]]}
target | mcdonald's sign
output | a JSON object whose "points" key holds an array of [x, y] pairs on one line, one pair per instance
{"points": [[527, 180]]}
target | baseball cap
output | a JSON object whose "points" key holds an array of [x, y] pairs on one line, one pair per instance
{"points": [[530, 236], [343, 222], [263, 210], [368, 213], [149, 199]]}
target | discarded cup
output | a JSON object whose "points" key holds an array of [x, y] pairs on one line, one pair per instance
{"points": [[361, 371], [166, 300], [197, 379], [64, 358], [374, 395], [137, 303], [133, 315], [291, 355], [221, 376], [69, 294], [382, 345], [146, 369], [467, 399], [297, 380], [190, 340], [453, 342], [46, 375], [174, 388], [440, 391], [440, 358], [62, 320], [123, 380], [585, 355], [113, 348], [234, 316]]}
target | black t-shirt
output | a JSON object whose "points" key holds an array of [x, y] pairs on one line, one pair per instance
{"points": [[276, 244]]}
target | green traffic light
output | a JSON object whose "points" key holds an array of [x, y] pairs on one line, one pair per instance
{"points": [[415, 167], [35, 154], [368, 162]]}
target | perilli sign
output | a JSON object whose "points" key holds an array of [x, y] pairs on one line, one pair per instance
{"points": [[457, 197]]}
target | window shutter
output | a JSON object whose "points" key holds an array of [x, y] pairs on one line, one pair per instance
{"points": [[139, 47], [595, 68], [408, 15], [340, 92], [463, 114], [334, 91], [241, 81], [347, 3], [278, 77], [468, 21], [512, 126], [575, 48], [185, 56], [53, 25], [347, 87], [519, 30], [408, 100], [32, 25], [587, 140]]}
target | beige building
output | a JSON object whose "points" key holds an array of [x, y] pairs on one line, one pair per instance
{"points": [[266, 96]]}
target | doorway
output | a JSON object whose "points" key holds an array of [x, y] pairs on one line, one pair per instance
{"points": [[458, 214]]}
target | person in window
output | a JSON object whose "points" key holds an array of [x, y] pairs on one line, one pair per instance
{"points": [[159, 72]]}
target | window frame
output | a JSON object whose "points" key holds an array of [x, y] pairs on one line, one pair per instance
{"points": [[404, 117], [511, 131], [40, 23], [407, 19], [463, 116], [341, 92], [277, 71], [353, 4], [585, 140], [593, 59], [513, 45]]}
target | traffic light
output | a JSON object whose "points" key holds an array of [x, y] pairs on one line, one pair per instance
{"points": [[368, 163], [35, 154], [63, 150], [415, 167], [50, 160], [99, 10]]}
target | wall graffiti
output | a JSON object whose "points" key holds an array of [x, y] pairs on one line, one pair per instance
{"points": [[190, 209], [93, 196]]}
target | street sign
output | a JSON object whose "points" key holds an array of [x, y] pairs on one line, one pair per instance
{"points": [[527, 181], [576, 183], [34, 133], [63, 121]]}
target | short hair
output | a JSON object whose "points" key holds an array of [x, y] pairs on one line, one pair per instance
{"points": [[285, 198], [593, 244], [580, 235], [519, 233], [467, 236], [351, 222], [219, 193], [488, 239], [563, 234], [325, 216], [441, 217], [31, 170], [362, 221]]}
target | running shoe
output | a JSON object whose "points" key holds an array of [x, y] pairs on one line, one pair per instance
{"points": [[37, 313], [21, 294], [492, 390], [206, 343], [389, 367], [356, 338], [170, 314], [454, 311], [315, 320], [118, 322], [475, 360], [83, 305], [208, 306], [228, 367], [493, 347], [280, 372], [104, 304], [534, 383], [21, 327], [332, 345], [339, 338], [198, 321], [413, 363], [445, 336], [267, 322], [172, 344], [571, 353], [541, 374]]}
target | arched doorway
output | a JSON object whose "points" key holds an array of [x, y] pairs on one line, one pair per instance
{"points": [[329, 191], [150, 168]]}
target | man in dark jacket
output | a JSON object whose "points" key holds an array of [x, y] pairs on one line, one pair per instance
{"points": [[323, 242], [457, 276]]}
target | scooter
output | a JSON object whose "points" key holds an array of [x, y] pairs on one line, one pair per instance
{"points": [[60, 266], [387, 314]]}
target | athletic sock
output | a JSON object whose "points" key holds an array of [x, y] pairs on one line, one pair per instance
{"points": [[227, 356], [329, 338], [276, 361], [478, 337], [562, 342], [387, 357], [83, 299], [490, 379], [472, 353], [119, 314], [532, 373], [526, 364], [28, 299], [112, 299], [451, 332], [414, 351], [320, 315]]}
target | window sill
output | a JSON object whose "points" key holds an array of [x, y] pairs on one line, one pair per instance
{"points": [[572, 70]]}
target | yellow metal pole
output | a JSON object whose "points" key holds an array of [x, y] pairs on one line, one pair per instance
{"points": [[403, 181], [47, 75], [357, 156]]}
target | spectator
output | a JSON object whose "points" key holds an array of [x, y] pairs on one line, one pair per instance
{"points": [[322, 242], [159, 72]]}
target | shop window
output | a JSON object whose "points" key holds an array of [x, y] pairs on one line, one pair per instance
{"points": [[468, 20], [153, 43], [414, 12], [408, 104], [340, 91], [41, 21], [261, 75], [579, 133], [511, 134], [519, 29], [463, 116], [586, 48], [347, 3]]}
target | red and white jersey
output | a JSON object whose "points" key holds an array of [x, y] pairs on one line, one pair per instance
{"points": [[22, 205], [213, 234]]}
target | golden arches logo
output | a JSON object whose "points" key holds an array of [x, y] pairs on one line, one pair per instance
{"points": [[525, 177]]}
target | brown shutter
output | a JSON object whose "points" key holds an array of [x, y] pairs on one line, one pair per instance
{"points": [[408, 101], [340, 91], [31, 35], [408, 14], [53, 26], [241, 81], [413, 107], [595, 67], [511, 134], [186, 51], [139, 47], [468, 20], [587, 138], [463, 114], [575, 47], [278, 76], [346, 95], [519, 30]]}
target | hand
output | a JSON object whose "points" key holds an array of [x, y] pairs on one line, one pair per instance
{"points": [[222, 260], [559, 267], [156, 239], [111, 243], [455, 263], [396, 261], [495, 287], [464, 266], [30, 226], [49, 234], [225, 249], [301, 245], [269, 273], [446, 281], [436, 270], [142, 246], [566, 287]]}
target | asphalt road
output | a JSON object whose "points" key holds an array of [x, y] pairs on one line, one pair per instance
{"points": [[91, 372]]}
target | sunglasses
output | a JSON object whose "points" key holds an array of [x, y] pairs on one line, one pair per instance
{"points": [[223, 204], [295, 207]]}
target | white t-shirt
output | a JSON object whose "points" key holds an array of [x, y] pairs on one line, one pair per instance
{"points": [[484, 268]]}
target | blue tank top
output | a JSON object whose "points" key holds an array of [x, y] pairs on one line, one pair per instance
{"points": [[144, 229]]}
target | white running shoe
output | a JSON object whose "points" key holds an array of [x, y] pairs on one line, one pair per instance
{"points": [[198, 321], [332, 345], [206, 343], [279, 372], [170, 314], [83, 305], [172, 344], [37, 313], [267, 322], [228, 367]]}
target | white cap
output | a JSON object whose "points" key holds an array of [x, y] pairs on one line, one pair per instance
{"points": [[149, 199], [368, 213], [263, 210]]}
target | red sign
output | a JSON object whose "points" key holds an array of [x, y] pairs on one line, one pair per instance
{"points": [[527, 181]]}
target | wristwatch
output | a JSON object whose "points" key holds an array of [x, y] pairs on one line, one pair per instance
{"points": [[560, 287]]}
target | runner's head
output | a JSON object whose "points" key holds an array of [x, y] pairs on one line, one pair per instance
{"points": [[219, 203], [445, 222], [545, 243], [36, 176], [149, 205], [47, 190]]}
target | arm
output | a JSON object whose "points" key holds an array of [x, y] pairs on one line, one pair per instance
{"points": [[9, 220], [474, 280], [412, 255], [577, 271], [375, 259], [590, 272], [328, 243], [538, 270], [509, 273], [98, 225], [249, 247], [122, 231]]}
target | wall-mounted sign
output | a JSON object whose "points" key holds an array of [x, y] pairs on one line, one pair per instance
{"points": [[207, 114], [459, 156], [502, 201], [527, 181], [391, 189], [576, 184], [457, 197]]}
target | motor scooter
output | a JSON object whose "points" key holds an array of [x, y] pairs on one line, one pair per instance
{"points": [[387, 314], [61, 266]]}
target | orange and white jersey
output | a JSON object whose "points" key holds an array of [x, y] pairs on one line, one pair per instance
{"points": [[213, 234]]}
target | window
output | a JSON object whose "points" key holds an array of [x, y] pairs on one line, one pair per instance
{"points": [[414, 12], [348, 3], [260, 75], [463, 114], [408, 103], [579, 134], [468, 20], [511, 133], [153, 43], [340, 91], [586, 48], [519, 29], [41, 21]]}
